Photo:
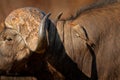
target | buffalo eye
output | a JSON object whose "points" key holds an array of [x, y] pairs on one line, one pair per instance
{"points": [[9, 39]]}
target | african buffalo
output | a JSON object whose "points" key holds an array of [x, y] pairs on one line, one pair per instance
{"points": [[84, 47], [91, 40], [17, 43]]}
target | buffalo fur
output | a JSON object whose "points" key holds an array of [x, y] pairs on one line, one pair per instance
{"points": [[96, 4], [87, 47]]}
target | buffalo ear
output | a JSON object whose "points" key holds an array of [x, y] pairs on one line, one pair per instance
{"points": [[82, 33], [22, 54]]}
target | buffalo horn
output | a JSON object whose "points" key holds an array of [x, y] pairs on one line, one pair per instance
{"points": [[42, 37]]}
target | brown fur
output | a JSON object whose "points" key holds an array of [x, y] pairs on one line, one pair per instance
{"points": [[96, 54], [93, 5]]}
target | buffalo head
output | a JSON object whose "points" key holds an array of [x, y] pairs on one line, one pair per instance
{"points": [[24, 33]]}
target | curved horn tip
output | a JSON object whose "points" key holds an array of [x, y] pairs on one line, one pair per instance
{"points": [[59, 15], [48, 15]]}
